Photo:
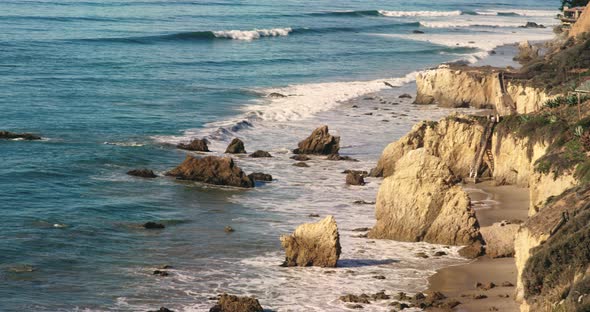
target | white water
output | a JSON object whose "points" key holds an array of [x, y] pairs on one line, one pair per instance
{"points": [[252, 34]]}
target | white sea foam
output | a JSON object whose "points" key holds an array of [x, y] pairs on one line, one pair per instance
{"points": [[252, 34], [474, 23], [529, 13], [418, 13]]}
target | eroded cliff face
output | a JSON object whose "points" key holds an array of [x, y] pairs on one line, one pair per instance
{"points": [[552, 256], [421, 201], [582, 25], [514, 158], [454, 139], [477, 87]]}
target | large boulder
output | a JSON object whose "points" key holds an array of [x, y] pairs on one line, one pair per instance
{"points": [[196, 145], [6, 135], [526, 52], [499, 239], [421, 201], [236, 147], [212, 170], [313, 244], [230, 303], [320, 142]]}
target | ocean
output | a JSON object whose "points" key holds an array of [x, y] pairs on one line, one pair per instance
{"points": [[113, 85]]}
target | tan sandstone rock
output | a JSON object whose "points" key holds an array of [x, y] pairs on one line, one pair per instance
{"points": [[421, 202], [320, 142], [499, 239], [211, 170], [582, 25], [313, 244], [230, 303]]}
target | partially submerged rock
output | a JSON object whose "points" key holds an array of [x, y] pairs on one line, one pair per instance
{"points": [[6, 135], [320, 142], [405, 96], [196, 145], [236, 147], [212, 170], [142, 173], [259, 176], [421, 202], [300, 157], [153, 226], [301, 164], [230, 303], [354, 179], [260, 154], [313, 244], [337, 157]]}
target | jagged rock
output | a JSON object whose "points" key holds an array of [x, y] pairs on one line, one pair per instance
{"points": [[363, 298], [313, 244], [160, 273], [230, 303], [399, 305], [380, 295], [320, 142], [499, 239], [153, 226], [301, 164], [142, 173], [6, 135], [212, 170], [440, 254], [532, 25], [472, 251], [421, 202], [260, 154], [259, 176], [196, 145], [338, 157], [359, 172], [236, 147], [300, 157], [354, 179], [526, 52]]}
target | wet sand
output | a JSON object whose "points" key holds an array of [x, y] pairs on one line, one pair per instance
{"points": [[492, 204]]}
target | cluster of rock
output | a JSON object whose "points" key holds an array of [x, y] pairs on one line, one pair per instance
{"points": [[230, 303], [211, 170], [6, 135], [403, 301]]}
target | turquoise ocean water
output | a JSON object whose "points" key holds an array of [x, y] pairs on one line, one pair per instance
{"points": [[111, 84]]}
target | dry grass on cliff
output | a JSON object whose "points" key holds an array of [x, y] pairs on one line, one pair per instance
{"points": [[556, 269]]}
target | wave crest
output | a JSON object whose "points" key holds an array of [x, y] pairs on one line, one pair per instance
{"points": [[252, 34], [419, 13]]}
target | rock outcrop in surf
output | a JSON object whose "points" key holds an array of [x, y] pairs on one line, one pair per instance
{"points": [[196, 145], [212, 170], [6, 135], [320, 142], [313, 244], [230, 303], [236, 147]]}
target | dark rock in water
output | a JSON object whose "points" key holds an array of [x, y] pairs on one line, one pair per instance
{"points": [[440, 254], [260, 154], [300, 158], [162, 309], [354, 179], [165, 267], [380, 277], [160, 273], [359, 172], [362, 202], [25, 136], [405, 96], [142, 173], [354, 306], [507, 284], [338, 157], [259, 176], [228, 229], [419, 296], [493, 52], [417, 32], [365, 229], [314, 215], [421, 255], [153, 226], [355, 106], [212, 170], [277, 95], [230, 303], [363, 298], [301, 164], [368, 114], [402, 296], [196, 145], [380, 295], [22, 268], [236, 147], [320, 142], [399, 305], [532, 25], [389, 84]]}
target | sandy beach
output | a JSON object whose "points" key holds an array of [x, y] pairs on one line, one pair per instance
{"points": [[493, 204]]}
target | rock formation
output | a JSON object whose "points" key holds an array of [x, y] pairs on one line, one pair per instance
{"points": [[236, 147], [454, 139], [421, 202], [320, 142], [552, 257], [260, 154], [353, 178], [313, 244], [526, 52], [142, 173], [230, 303], [499, 239], [5, 135], [259, 176], [477, 87], [212, 170], [196, 145]]}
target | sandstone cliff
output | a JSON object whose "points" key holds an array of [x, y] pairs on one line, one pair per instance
{"points": [[582, 25], [477, 87], [552, 255], [454, 139], [421, 202]]}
